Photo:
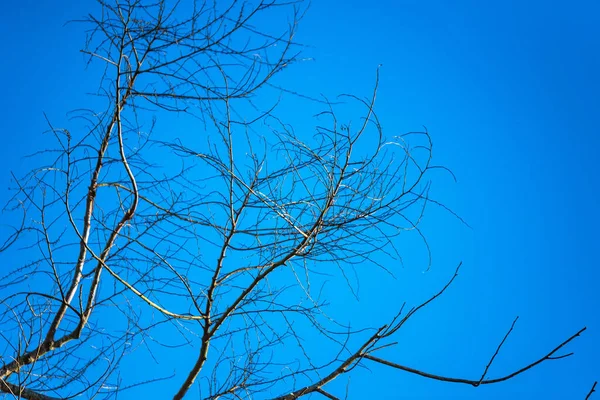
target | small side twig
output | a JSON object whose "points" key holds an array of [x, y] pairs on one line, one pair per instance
{"points": [[487, 367], [592, 390]]}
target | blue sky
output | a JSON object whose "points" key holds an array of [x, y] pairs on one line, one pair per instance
{"points": [[508, 91]]}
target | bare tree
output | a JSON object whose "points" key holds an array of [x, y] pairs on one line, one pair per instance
{"points": [[204, 244]]}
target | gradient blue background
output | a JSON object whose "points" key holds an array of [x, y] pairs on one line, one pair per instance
{"points": [[509, 91]]}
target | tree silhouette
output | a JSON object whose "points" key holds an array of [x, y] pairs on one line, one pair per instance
{"points": [[204, 244]]}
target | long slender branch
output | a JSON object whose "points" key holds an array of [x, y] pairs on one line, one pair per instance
{"points": [[475, 382]]}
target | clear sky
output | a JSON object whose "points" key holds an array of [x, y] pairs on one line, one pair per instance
{"points": [[508, 91]]}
